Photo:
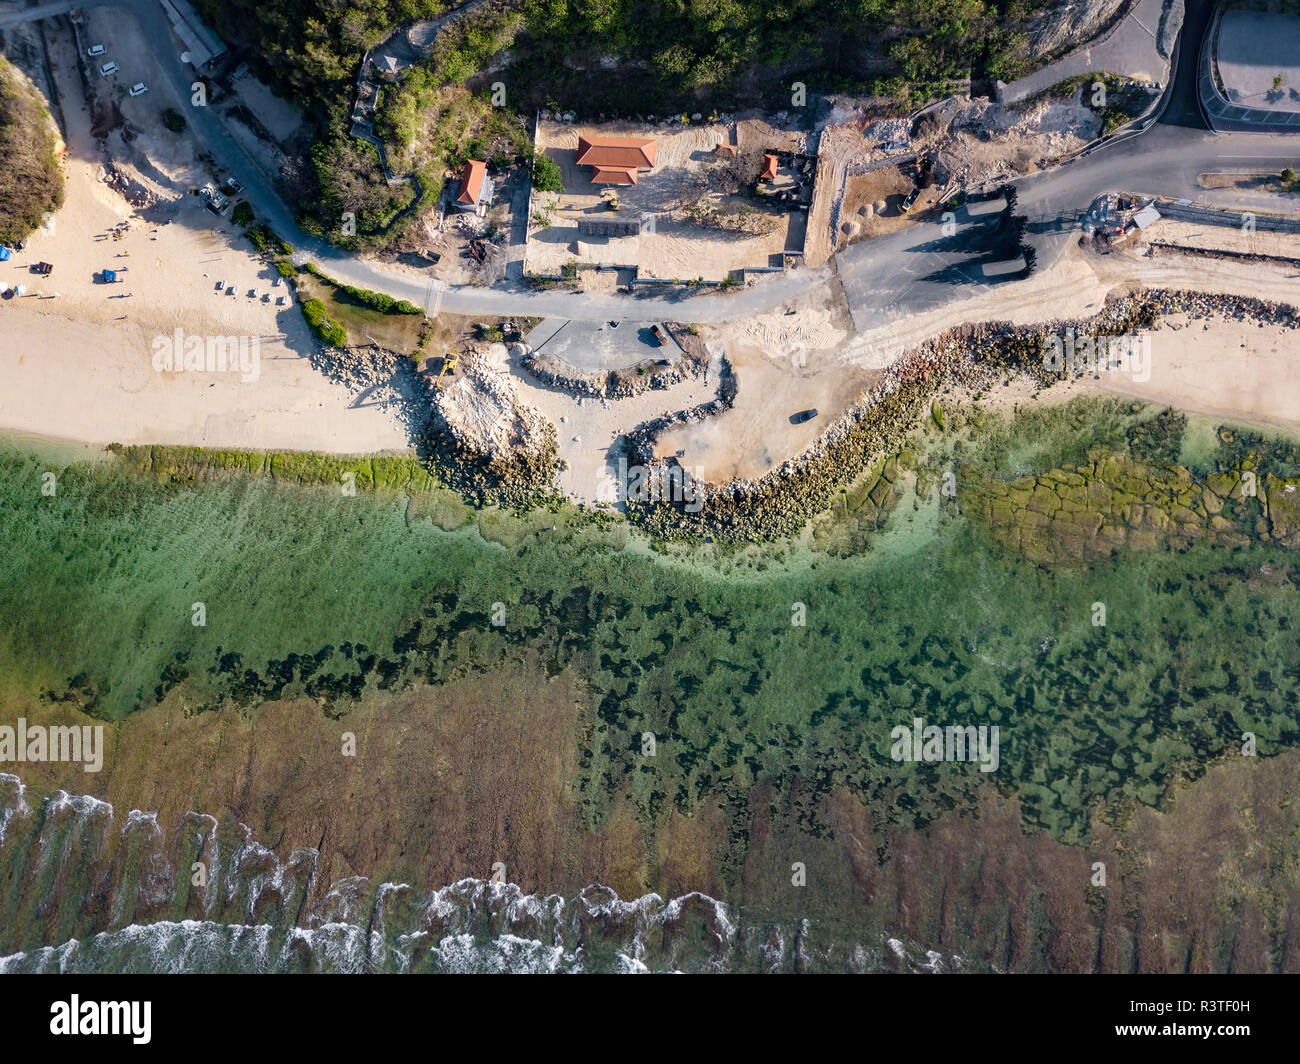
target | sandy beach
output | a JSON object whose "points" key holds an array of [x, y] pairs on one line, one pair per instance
{"points": [[77, 356]]}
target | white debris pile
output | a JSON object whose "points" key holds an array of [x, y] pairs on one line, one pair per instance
{"points": [[889, 132], [482, 408]]}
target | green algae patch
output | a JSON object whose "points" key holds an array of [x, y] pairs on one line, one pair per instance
{"points": [[315, 594]]}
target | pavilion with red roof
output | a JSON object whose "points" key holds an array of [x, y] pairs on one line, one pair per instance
{"points": [[616, 160]]}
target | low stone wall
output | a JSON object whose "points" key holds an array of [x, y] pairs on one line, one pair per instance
{"points": [[611, 384]]}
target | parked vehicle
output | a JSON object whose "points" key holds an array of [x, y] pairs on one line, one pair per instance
{"points": [[139, 88], [216, 202], [234, 186], [95, 50], [802, 416], [108, 68], [906, 205], [660, 336]]}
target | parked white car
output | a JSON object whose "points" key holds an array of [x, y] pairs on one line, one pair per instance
{"points": [[95, 50], [139, 88], [108, 68]]}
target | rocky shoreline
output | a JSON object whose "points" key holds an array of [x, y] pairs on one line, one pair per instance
{"points": [[781, 502], [975, 356], [522, 477]]}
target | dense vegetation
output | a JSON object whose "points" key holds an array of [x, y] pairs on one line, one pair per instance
{"points": [[672, 55], [599, 57], [31, 173], [326, 328]]}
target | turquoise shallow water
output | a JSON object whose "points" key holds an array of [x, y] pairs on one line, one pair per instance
{"points": [[306, 591], [309, 592]]}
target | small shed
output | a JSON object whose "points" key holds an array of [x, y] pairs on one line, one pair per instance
{"points": [[1148, 215], [769, 168], [475, 187]]}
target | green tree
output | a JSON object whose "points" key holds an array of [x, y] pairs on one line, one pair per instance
{"points": [[546, 174]]}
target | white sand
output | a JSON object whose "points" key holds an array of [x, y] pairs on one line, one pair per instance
{"points": [[79, 365], [82, 381]]}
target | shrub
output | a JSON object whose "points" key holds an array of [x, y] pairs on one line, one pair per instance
{"points": [[242, 214], [173, 120], [325, 327], [546, 174], [31, 177]]}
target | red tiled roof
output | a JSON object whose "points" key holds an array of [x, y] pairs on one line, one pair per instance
{"points": [[769, 167], [471, 182], [613, 175], [621, 152], [724, 149]]}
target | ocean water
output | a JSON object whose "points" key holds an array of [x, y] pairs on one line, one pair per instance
{"points": [[306, 591], [252, 914]]}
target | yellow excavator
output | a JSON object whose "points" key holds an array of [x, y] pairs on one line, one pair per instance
{"points": [[449, 361]]}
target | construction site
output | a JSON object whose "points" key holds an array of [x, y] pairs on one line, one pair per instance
{"points": [[695, 203]]}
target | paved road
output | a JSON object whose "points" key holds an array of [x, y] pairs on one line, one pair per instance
{"points": [[40, 11], [1130, 48], [884, 279], [918, 269]]}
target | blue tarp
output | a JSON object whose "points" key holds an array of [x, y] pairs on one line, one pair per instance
{"points": [[110, 276], [4, 254]]}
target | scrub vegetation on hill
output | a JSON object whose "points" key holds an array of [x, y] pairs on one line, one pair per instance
{"points": [[611, 58], [31, 172]]}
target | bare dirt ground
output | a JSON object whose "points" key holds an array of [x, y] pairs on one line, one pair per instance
{"points": [[873, 204], [482, 402], [1221, 238], [859, 189], [679, 247], [987, 142], [786, 362], [469, 249]]}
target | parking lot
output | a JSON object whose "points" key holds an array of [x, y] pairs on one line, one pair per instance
{"points": [[595, 346]]}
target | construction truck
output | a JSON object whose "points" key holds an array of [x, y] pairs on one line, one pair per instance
{"points": [[449, 361]]}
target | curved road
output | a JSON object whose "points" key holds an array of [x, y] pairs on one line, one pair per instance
{"points": [[919, 270], [884, 279]]}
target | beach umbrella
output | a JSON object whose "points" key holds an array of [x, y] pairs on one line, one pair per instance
{"points": [[20, 289]]}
